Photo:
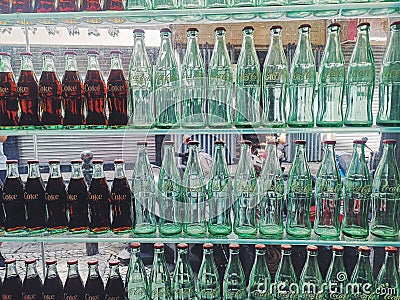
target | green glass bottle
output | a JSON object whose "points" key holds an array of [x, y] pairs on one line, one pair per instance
{"points": [[388, 281], [328, 194], [183, 286], [357, 194], [170, 193], [389, 82], [160, 281], [166, 83], [299, 195], [193, 84], [285, 278], [245, 194], [360, 81], [208, 279], [234, 285], [275, 82], [302, 81], [248, 83], [220, 83], [194, 194], [336, 277], [259, 280], [362, 281], [310, 278], [271, 194], [136, 278], [331, 81], [386, 194]]}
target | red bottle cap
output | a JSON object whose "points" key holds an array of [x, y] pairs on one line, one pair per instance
{"points": [[33, 161], [134, 245], [395, 23], [54, 161], [76, 161], [275, 27], [73, 261], [138, 31], [334, 25], [5, 54], [330, 142], [248, 28], [11, 161], [119, 161], [183, 246], [158, 246], [246, 142], [300, 142], [142, 143], [338, 248], [234, 246], [391, 249], [261, 247], [286, 247], [26, 53], [305, 26], [169, 143], [91, 52], [220, 29], [192, 29], [70, 53], [312, 248], [92, 262], [9, 261], [116, 52], [364, 24], [390, 142], [48, 53], [163, 30], [359, 142], [208, 246], [194, 143], [51, 261], [30, 261], [364, 249], [113, 262], [97, 161], [219, 142]]}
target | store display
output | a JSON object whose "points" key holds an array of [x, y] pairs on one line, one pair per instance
{"points": [[310, 278], [73, 287], [159, 281], [208, 284], [115, 288], [234, 283], [183, 284], [94, 286], [52, 285], [32, 287], [136, 284], [362, 277], [259, 279], [336, 275], [8, 87]]}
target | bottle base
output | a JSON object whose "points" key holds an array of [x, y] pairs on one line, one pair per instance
{"points": [[15, 230], [79, 230], [170, 230], [274, 232], [57, 230], [389, 124], [357, 124], [144, 230], [247, 125], [329, 124], [35, 230], [245, 231], [326, 13], [195, 230], [218, 230], [355, 233], [300, 124], [122, 230], [217, 17], [100, 230], [298, 233], [384, 232], [325, 234]]}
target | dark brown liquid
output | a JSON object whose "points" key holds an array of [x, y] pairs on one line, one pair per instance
{"points": [[22, 6], [28, 96], [8, 99], [91, 5], [74, 289], [12, 288], [35, 204], [117, 96], [94, 289], [73, 98], [5, 7], [53, 289], [50, 96], [56, 200], [113, 5], [99, 204], [45, 6], [67, 5], [13, 201], [2, 213], [78, 198], [95, 93], [121, 199], [115, 289], [32, 289]]}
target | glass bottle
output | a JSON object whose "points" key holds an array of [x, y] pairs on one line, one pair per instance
{"points": [[386, 194], [165, 4], [78, 199], [99, 200], [73, 93], [388, 278], [52, 286], [360, 81], [285, 276], [32, 287], [302, 82], [13, 199], [160, 281], [362, 280], [328, 194], [45, 6], [166, 83], [194, 194], [220, 193], [170, 194], [95, 93], [275, 82], [245, 191], [115, 286], [389, 83], [220, 83], [56, 199], [331, 81], [234, 284], [121, 199], [137, 5], [90, 5], [248, 83], [94, 287], [310, 278], [143, 188], [272, 194], [28, 93], [357, 194], [117, 92], [136, 278], [68, 5], [193, 84], [208, 287], [114, 5], [299, 193], [259, 280], [140, 84], [183, 286], [23, 6], [336, 277], [8, 92], [35, 202], [73, 287], [12, 284], [5, 7]]}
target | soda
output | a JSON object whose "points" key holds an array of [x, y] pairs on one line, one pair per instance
{"points": [[52, 287], [5, 7], [67, 5], [8, 87], [45, 6], [115, 286], [113, 5], [94, 288], [2, 214], [12, 285], [32, 288], [73, 288], [91, 5], [24, 6]]}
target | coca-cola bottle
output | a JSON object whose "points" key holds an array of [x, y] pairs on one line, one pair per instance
{"points": [[5, 7], [91, 5], [45, 6], [28, 92], [117, 92], [78, 198], [8, 88], [95, 92], [35, 202], [115, 289], [12, 285], [13, 199], [2, 213], [68, 5], [56, 199], [136, 284], [113, 5], [121, 199], [99, 200], [32, 288], [94, 287], [24, 6], [73, 287], [52, 287]]}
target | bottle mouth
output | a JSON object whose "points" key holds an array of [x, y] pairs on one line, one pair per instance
{"points": [[158, 245], [12, 161], [119, 161], [72, 262], [70, 53], [114, 262], [97, 161], [48, 53], [134, 245], [92, 52], [359, 142], [165, 30], [32, 161], [76, 161], [115, 52], [330, 142], [260, 247], [140, 31], [275, 27], [286, 247], [234, 246], [54, 161], [51, 261], [300, 142], [220, 29], [338, 248], [389, 142], [10, 261], [364, 24], [183, 246], [334, 25], [5, 54], [391, 249], [30, 261], [208, 246], [364, 249], [219, 142], [26, 54], [93, 262]]}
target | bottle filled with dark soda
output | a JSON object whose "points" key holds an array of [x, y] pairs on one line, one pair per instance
{"points": [[73, 92], [44, 6], [94, 287], [78, 198], [12, 285], [35, 202], [5, 7], [52, 287], [73, 288], [2, 213], [13, 199], [28, 93], [95, 92], [68, 5], [113, 5], [90, 5], [8, 87], [24, 6], [115, 286], [56, 199], [50, 93], [99, 200], [32, 288], [117, 92], [121, 199]]}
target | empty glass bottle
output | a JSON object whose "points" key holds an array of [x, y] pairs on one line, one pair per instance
{"points": [[259, 280], [208, 287], [115, 286], [360, 81], [248, 83], [183, 286], [331, 81], [362, 281], [137, 4], [52, 286], [136, 278], [32, 287], [8, 87], [357, 194], [302, 82], [245, 191], [12, 284], [73, 287], [299, 194], [234, 285], [94, 287], [164, 4], [310, 278], [220, 83], [285, 276], [328, 194], [275, 82], [388, 281], [336, 277], [160, 281]]}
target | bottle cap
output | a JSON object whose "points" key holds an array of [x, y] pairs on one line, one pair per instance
{"points": [[48, 53], [286, 247], [329, 142], [134, 245], [312, 248], [54, 161], [246, 142], [76, 161], [300, 142], [364, 249], [70, 53], [93, 52], [219, 142], [248, 28], [334, 25], [138, 31], [33, 161], [9, 261], [391, 249], [26, 53], [261, 247], [5, 54], [220, 29], [97, 161], [113, 262], [142, 143], [390, 142], [208, 246], [275, 27], [338, 248], [92, 262], [73, 261], [183, 246], [164, 30], [194, 143], [119, 161], [51, 261], [364, 24], [158, 246], [271, 142], [234, 246], [395, 23], [192, 29], [304, 26], [30, 261], [115, 52], [169, 143], [360, 142], [11, 161]]}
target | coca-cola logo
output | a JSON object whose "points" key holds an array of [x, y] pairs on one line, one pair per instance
{"points": [[51, 197], [92, 88], [96, 197], [28, 196], [49, 297], [69, 88], [72, 197], [6, 297], [28, 297], [118, 197], [92, 297], [45, 89], [10, 197], [116, 88], [4, 90], [112, 297], [22, 89], [70, 297]]}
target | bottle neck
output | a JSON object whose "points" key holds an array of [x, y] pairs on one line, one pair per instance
{"points": [[54, 170], [48, 63], [329, 155], [234, 258], [390, 263], [358, 153], [142, 159], [158, 256], [182, 256], [168, 157], [11, 270], [276, 55], [393, 52], [333, 52], [119, 170], [94, 271], [272, 161], [116, 62], [362, 48], [139, 50], [193, 159], [33, 170], [304, 40], [220, 48], [135, 254], [389, 153], [260, 260], [286, 260], [219, 166], [166, 43], [26, 63], [76, 171], [71, 63], [337, 258], [31, 271], [114, 272], [300, 155], [73, 270], [193, 45], [98, 171], [12, 170], [52, 271], [208, 256], [93, 63], [312, 262], [245, 156], [5, 63]]}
